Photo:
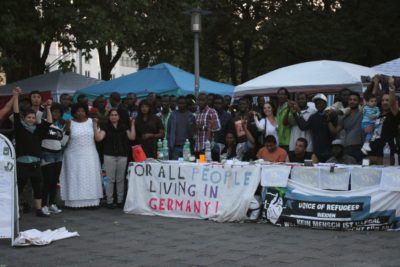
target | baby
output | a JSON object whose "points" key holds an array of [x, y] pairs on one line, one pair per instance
{"points": [[370, 114]]}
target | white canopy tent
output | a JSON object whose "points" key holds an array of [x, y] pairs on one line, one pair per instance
{"points": [[390, 68], [56, 82], [311, 77]]}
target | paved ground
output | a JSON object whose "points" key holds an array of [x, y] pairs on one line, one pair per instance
{"points": [[111, 238]]}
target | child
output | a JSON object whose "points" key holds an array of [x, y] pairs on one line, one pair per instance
{"points": [[370, 114], [28, 137]]}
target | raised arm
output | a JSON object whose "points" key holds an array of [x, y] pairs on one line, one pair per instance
{"points": [[48, 111], [132, 131], [298, 117], [8, 106], [260, 124], [249, 136], [301, 122], [17, 91], [394, 106], [98, 134]]}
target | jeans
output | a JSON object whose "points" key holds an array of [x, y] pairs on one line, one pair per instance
{"points": [[115, 167], [366, 124], [50, 157]]}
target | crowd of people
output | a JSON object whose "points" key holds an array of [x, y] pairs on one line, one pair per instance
{"points": [[74, 144]]}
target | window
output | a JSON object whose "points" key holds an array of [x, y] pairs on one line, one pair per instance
{"points": [[99, 75], [127, 62], [87, 73], [87, 60]]}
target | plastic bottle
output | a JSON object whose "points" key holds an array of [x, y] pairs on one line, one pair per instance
{"points": [[104, 179], [160, 154], [165, 149], [386, 155], [208, 151], [186, 151]]}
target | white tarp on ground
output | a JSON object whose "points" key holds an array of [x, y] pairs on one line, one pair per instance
{"points": [[315, 76], [39, 238], [186, 190]]}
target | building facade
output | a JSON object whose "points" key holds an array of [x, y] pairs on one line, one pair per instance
{"points": [[89, 67]]}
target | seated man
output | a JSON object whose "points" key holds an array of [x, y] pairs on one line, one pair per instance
{"points": [[339, 155], [300, 152], [271, 152]]}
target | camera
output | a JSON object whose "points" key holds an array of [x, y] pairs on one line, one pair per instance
{"points": [[383, 80]]}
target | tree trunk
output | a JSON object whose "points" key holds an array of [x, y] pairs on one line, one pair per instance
{"points": [[107, 61], [245, 60], [232, 63], [28, 62]]}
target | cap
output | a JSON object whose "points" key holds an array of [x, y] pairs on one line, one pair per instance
{"points": [[320, 96], [337, 142]]}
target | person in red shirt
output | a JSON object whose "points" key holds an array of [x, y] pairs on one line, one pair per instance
{"points": [[271, 152]]}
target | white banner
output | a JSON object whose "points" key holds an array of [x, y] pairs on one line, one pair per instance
{"points": [[365, 177], [8, 188], [218, 192], [275, 175], [390, 180]]}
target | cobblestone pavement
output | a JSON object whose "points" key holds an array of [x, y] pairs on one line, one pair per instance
{"points": [[111, 238]]}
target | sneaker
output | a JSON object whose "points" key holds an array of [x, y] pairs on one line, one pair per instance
{"points": [[54, 209], [46, 210], [367, 147], [40, 213], [364, 151]]}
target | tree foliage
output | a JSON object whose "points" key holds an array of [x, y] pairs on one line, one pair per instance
{"points": [[107, 26], [26, 25], [241, 39]]}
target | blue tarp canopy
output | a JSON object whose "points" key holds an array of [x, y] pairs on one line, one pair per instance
{"points": [[161, 79]]}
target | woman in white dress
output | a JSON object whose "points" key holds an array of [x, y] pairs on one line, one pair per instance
{"points": [[267, 125], [81, 173]]}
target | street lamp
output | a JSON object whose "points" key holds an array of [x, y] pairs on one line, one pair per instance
{"points": [[195, 15]]}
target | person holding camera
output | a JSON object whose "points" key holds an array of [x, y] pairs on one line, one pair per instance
{"points": [[374, 89], [389, 120]]}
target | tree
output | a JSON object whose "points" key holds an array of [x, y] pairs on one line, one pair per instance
{"points": [[108, 27], [28, 28], [164, 36]]}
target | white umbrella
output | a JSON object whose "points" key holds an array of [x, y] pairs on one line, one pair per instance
{"points": [[315, 76]]}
